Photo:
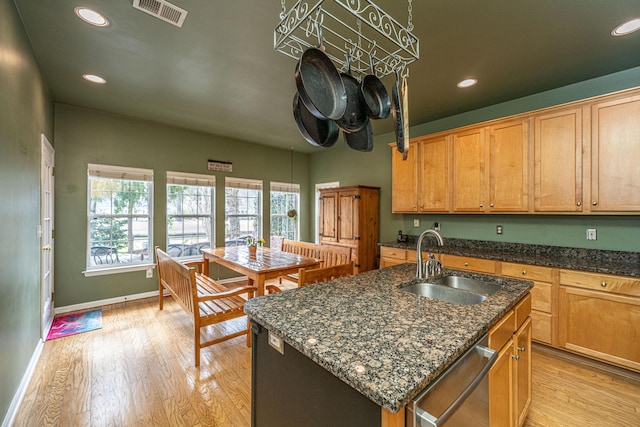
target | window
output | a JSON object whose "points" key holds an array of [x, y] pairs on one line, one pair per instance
{"points": [[285, 205], [242, 211], [119, 216], [190, 213]]}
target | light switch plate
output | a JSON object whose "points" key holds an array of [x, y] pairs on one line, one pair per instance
{"points": [[592, 234], [498, 229], [276, 342], [149, 273], [416, 222]]}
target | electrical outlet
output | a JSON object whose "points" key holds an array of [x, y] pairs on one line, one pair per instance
{"points": [[436, 226], [592, 234], [149, 273], [498, 229], [416, 222]]}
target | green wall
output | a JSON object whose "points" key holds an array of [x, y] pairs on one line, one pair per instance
{"points": [[351, 167], [25, 113], [85, 136]]}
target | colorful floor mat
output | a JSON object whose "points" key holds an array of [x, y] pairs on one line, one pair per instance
{"points": [[75, 323]]}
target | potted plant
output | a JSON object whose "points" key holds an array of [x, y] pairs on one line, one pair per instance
{"points": [[253, 245]]}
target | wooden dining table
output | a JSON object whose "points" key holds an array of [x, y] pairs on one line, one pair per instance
{"points": [[264, 265]]}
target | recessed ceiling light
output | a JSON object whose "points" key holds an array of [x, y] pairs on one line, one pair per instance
{"points": [[626, 28], [91, 16], [94, 79], [467, 82]]}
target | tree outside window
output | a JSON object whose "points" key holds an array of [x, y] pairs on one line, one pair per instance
{"points": [[285, 205], [243, 207]]}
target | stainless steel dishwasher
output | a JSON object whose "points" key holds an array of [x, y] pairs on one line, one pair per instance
{"points": [[459, 397]]}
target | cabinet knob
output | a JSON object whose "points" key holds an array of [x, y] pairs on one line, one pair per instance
{"points": [[491, 205], [481, 205], [594, 203], [579, 204], [521, 348], [466, 264], [603, 284], [515, 356], [524, 272]]}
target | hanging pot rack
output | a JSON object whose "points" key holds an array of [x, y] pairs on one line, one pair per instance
{"points": [[357, 29]]}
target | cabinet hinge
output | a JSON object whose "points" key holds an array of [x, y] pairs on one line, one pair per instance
{"points": [[357, 238], [357, 196], [53, 233], [358, 265]]}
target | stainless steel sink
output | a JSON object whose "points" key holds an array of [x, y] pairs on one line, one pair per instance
{"points": [[468, 284], [444, 293]]}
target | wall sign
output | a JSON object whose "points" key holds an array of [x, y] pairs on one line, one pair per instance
{"points": [[215, 165]]}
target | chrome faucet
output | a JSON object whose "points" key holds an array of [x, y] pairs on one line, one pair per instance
{"points": [[432, 265]]}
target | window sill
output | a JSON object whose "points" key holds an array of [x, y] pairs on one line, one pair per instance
{"points": [[116, 270]]}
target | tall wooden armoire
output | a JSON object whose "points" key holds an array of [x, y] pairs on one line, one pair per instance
{"points": [[350, 216]]}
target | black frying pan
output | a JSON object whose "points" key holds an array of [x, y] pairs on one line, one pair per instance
{"points": [[320, 86], [396, 111], [317, 132], [355, 116], [374, 96], [361, 140]]}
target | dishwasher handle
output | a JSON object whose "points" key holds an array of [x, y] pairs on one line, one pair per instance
{"points": [[425, 419]]}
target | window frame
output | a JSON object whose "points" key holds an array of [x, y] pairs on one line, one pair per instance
{"points": [[281, 187], [192, 180], [249, 184], [121, 173]]}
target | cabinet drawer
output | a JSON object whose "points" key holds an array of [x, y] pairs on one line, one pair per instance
{"points": [[473, 264], [541, 326], [527, 272], [502, 332], [395, 253], [601, 282], [541, 297], [522, 311], [412, 256]]}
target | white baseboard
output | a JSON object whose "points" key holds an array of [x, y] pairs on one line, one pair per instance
{"points": [[22, 388], [100, 303]]}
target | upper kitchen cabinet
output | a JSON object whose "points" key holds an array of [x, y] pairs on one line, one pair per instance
{"points": [[558, 152], [421, 182], [490, 168], [615, 150], [350, 217]]}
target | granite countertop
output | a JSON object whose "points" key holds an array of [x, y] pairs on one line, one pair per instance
{"points": [[386, 343], [593, 260]]}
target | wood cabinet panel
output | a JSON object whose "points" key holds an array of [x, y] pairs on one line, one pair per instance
{"points": [[469, 181], [500, 389], [522, 311], [522, 372], [615, 175], [558, 161], [601, 282], [508, 167], [404, 181], [434, 175], [394, 253], [328, 216], [541, 327], [466, 263], [541, 297], [600, 325], [527, 272], [502, 332]]}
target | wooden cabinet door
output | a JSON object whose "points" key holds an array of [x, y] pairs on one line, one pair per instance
{"points": [[501, 389], [328, 214], [469, 182], [615, 150], [558, 161], [522, 372], [347, 219], [404, 181], [600, 325], [434, 175], [508, 167]]}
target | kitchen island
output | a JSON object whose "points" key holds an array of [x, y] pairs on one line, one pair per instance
{"points": [[381, 342]]}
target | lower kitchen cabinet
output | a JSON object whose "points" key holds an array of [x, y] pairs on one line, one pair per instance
{"points": [[466, 263], [600, 317], [510, 376]]}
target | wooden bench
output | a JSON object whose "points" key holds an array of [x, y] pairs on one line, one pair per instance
{"points": [[205, 300], [317, 275], [329, 256]]}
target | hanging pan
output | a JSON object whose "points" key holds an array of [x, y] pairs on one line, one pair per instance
{"points": [[355, 117], [317, 132], [361, 140], [374, 95], [396, 111], [319, 83]]}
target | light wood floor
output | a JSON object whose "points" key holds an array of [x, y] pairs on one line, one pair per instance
{"points": [[138, 371]]}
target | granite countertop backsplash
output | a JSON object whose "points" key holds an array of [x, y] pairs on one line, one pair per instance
{"points": [[594, 260], [385, 342]]}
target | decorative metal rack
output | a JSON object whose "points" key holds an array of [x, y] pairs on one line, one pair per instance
{"points": [[383, 44]]}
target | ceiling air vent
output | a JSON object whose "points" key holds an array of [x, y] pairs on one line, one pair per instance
{"points": [[162, 10]]}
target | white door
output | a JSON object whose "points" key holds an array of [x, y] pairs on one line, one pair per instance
{"points": [[46, 234]]}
